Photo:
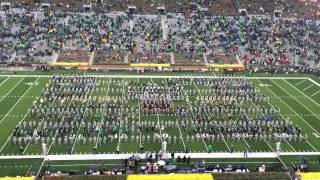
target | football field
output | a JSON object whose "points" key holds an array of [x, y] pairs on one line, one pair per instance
{"points": [[100, 128]]}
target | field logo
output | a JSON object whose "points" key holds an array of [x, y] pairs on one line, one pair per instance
{"points": [[265, 85], [32, 83]]}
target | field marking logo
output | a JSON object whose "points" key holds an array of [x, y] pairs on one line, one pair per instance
{"points": [[31, 83], [265, 85]]}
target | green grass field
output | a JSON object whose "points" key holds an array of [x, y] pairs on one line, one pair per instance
{"points": [[297, 99]]}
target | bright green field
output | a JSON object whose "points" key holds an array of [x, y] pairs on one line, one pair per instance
{"points": [[297, 99]]}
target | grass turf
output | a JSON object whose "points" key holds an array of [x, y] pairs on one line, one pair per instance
{"points": [[296, 102]]}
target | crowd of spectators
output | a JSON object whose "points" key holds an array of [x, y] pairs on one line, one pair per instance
{"points": [[291, 8], [120, 38]]}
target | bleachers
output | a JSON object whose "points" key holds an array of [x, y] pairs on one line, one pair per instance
{"points": [[297, 8], [150, 58], [189, 59], [106, 57], [74, 56]]}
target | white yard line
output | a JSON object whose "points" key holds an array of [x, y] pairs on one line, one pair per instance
{"points": [[75, 165], [225, 142], [277, 155], [282, 118], [44, 160], [139, 117], [314, 82], [105, 109], [315, 93], [4, 81], [207, 162], [11, 89], [248, 118], [159, 127], [121, 112], [185, 93], [220, 133], [297, 100], [164, 76], [25, 149], [16, 103], [312, 146], [214, 155], [282, 162], [84, 116], [300, 82], [270, 146], [307, 87], [285, 118], [290, 146], [139, 122], [181, 137], [158, 121], [45, 156], [305, 95], [205, 144], [4, 145], [283, 102], [9, 138]]}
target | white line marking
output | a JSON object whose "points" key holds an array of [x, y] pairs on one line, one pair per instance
{"points": [[161, 76], [314, 82], [307, 87], [210, 162], [204, 142], [270, 147], [121, 112], [282, 162], [181, 137], [312, 146], [297, 100], [25, 149], [8, 139], [300, 82], [315, 93], [305, 95], [45, 156], [139, 117], [105, 109], [159, 127], [281, 117], [247, 118], [290, 146], [83, 116], [11, 89], [214, 155], [16, 103], [283, 102], [4, 81], [277, 155], [225, 142]]}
